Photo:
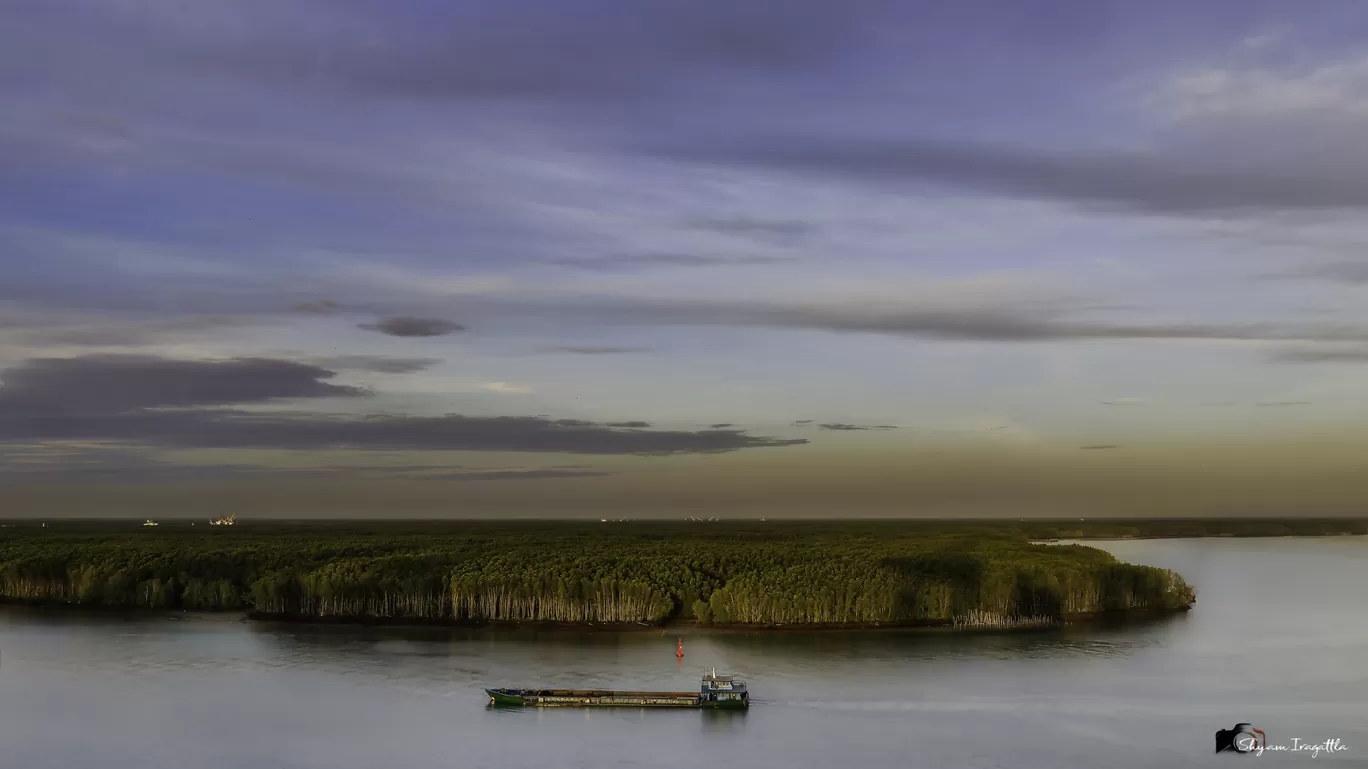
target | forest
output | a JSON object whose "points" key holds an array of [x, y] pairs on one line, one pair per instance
{"points": [[859, 573]]}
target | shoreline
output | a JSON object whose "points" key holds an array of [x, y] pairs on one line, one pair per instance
{"points": [[682, 627], [670, 627], [1132, 537]]}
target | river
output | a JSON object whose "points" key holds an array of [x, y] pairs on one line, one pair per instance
{"points": [[1278, 638]]}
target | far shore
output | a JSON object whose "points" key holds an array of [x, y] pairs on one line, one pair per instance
{"points": [[1128, 537]]}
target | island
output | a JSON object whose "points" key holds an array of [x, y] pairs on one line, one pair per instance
{"points": [[721, 574]]}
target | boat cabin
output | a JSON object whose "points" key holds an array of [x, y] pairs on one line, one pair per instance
{"points": [[716, 688]]}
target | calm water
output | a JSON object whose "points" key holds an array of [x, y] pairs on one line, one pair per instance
{"points": [[1279, 638]]}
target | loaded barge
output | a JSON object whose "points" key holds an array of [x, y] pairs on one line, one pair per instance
{"points": [[720, 692]]}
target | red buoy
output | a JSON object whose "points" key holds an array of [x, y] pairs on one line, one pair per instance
{"points": [[679, 648]]}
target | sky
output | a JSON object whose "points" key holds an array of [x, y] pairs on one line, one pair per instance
{"points": [[661, 258]]}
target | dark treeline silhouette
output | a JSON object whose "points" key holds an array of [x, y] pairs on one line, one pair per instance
{"points": [[1188, 527], [789, 573]]}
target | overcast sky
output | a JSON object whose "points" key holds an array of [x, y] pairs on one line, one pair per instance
{"points": [[676, 257]]}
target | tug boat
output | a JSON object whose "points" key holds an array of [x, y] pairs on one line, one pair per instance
{"points": [[721, 692]]}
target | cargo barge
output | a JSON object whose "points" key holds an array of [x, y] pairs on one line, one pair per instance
{"points": [[715, 691]]}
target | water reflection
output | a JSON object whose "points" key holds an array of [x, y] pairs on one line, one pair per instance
{"points": [[723, 721]]}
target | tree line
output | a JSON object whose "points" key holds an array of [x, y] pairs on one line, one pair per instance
{"points": [[763, 574]]}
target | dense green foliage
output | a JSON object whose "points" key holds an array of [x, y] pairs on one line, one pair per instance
{"points": [[972, 573], [789, 573]]}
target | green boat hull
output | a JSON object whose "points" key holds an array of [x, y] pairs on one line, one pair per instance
{"points": [[553, 698]]}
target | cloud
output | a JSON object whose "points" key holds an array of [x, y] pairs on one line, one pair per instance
{"points": [[642, 261], [1354, 272], [485, 51], [1124, 402], [1251, 135], [84, 463], [1167, 183], [305, 431], [413, 327], [755, 227], [571, 350], [110, 384], [318, 307], [802, 421], [846, 427], [378, 364], [506, 388], [1281, 404], [515, 475], [634, 424], [120, 471], [309, 70], [1099, 447], [1024, 324], [105, 463], [1254, 90], [113, 332], [720, 425], [1005, 321], [1314, 355]]}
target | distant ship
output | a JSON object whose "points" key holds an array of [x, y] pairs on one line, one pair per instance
{"points": [[721, 692], [150, 522], [228, 521]]}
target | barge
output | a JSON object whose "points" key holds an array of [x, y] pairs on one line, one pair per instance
{"points": [[716, 691]]}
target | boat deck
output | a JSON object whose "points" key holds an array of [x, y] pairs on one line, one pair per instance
{"points": [[715, 692], [598, 693]]}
